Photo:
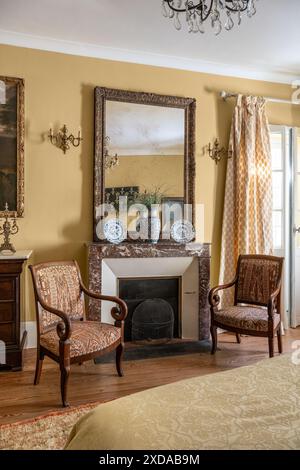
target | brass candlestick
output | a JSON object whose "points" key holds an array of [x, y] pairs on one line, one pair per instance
{"points": [[8, 228]]}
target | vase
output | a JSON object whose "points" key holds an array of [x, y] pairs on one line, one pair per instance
{"points": [[154, 227]]}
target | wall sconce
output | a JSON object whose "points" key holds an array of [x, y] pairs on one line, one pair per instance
{"points": [[110, 161], [62, 140], [216, 153]]}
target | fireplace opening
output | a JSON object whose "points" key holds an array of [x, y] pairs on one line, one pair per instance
{"points": [[153, 308], [151, 320]]}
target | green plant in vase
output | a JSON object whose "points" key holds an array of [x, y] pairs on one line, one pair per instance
{"points": [[150, 198]]}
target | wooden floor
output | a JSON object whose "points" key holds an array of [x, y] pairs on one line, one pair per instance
{"points": [[20, 399]]}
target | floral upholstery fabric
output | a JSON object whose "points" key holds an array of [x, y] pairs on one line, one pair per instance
{"points": [[257, 279], [58, 285], [244, 317], [87, 337]]}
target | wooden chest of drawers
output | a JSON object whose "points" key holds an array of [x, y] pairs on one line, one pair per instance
{"points": [[11, 336]]}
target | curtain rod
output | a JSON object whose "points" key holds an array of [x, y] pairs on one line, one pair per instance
{"points": [[225, 95]]}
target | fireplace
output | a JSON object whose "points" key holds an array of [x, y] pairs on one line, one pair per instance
{"points": [[154, 311], [190, 264]]}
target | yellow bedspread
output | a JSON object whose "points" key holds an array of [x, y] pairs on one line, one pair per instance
{"points": [[253, 407]]}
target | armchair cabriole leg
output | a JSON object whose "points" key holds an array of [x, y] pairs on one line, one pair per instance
{"points": [[120, 349], [64, 349], [214, 337], [279, 339], [119, 357], [238, 338], [39, 364], [271, 345]]}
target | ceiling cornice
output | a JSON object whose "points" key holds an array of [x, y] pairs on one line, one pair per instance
{"points": [[140, 57]]}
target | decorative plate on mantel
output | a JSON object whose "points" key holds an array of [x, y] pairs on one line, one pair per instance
{"points": [[114, 231], [182, 231]]}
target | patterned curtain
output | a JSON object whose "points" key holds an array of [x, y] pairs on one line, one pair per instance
{"points": [[247, 218]]}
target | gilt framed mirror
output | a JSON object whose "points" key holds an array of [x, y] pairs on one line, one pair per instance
{"points": [[144, 150], [12, 146]]}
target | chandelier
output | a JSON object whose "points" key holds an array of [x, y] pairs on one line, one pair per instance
{"points": [[197, 12], [110, 161]]}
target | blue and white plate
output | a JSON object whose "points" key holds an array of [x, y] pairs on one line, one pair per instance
{"points": [[114, 231], [182, 231]]}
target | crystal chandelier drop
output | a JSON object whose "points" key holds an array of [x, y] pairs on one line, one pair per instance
{"points": [[110, 161], [197, 12]]}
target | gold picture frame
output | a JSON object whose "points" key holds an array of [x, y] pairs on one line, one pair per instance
{"points": [[12, 135]]}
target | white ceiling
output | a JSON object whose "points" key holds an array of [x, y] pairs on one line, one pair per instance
{"points": [[264, 47]]}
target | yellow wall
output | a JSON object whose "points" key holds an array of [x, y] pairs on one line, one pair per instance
{"points": [[59, 188], [165, 173]]}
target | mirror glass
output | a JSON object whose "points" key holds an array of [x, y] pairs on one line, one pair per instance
{"points": [[144, 152]]}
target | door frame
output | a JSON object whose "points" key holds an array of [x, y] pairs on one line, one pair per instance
{"points": [[288, 155], [295, 132]]}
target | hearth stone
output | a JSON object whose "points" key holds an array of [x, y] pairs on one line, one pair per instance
{"points": [[135, 352], [152, 319]]}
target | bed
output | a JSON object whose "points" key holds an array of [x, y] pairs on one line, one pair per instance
{"points": [[253, 407]]}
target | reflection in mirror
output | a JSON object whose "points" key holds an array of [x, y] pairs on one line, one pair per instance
{"points": [[144, 155]]}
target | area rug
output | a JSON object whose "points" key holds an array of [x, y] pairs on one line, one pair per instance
{"points": [[46, 432]]}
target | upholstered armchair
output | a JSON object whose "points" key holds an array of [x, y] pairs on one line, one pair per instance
{"points": [[63, 333], [256, 310]]}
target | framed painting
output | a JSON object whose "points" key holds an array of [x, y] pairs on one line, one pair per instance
{"points": [[112, 194], [12, 145]]}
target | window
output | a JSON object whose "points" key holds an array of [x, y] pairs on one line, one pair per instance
{"points": [[285, 150], [297, 189], [277, 151]]}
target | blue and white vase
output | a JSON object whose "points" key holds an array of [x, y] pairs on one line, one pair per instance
{"points": [[154, 227], [149, 226]]}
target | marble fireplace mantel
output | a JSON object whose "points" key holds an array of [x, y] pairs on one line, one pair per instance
{"points": [[103, 251]]}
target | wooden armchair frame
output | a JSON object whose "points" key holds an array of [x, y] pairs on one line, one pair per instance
{"points": [[64, 331], [273, 304]]}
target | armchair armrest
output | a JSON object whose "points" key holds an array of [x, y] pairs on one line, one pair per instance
{"points": [[214, 298], [271, 303], [63, 328], [118, 313]]}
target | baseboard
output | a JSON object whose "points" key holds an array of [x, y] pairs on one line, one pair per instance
{"points": [[30, 327]]}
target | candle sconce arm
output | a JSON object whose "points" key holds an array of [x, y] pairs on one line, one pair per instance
{"points": [[62, 139]]}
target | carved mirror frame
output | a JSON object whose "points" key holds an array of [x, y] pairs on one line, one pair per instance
{"points": [[20, 126], [102, 95]]}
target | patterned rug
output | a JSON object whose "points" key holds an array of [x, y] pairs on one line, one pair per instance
{"points": [[46, 432]]}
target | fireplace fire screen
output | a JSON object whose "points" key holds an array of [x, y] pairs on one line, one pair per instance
{"points": [[152, 303], [152, 319]]}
